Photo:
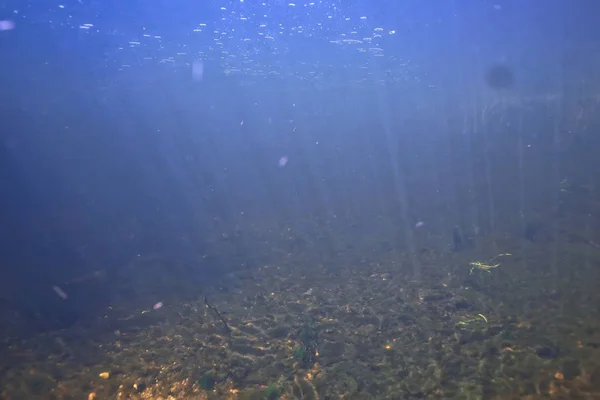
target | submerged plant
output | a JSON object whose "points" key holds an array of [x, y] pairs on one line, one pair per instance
{"points": [[487, 267], [468, 323], [301, 354], [272, 392], [306, 352], [207, 382]]}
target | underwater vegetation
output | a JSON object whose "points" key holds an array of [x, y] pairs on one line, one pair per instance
{"points": [[207, 382]]}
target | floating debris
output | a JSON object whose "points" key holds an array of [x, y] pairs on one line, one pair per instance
{"points": [[61, 293]]}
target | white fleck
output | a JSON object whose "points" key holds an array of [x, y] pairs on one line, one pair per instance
{"points": [[60, 292]]}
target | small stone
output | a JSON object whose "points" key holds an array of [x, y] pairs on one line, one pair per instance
{"points": [[139, 387], [104, 375]]}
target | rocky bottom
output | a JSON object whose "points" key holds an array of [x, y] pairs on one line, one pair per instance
{"points": [[363, 331]]}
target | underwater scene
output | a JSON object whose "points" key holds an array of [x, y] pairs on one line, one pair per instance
{"points": [[279, 199]]}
